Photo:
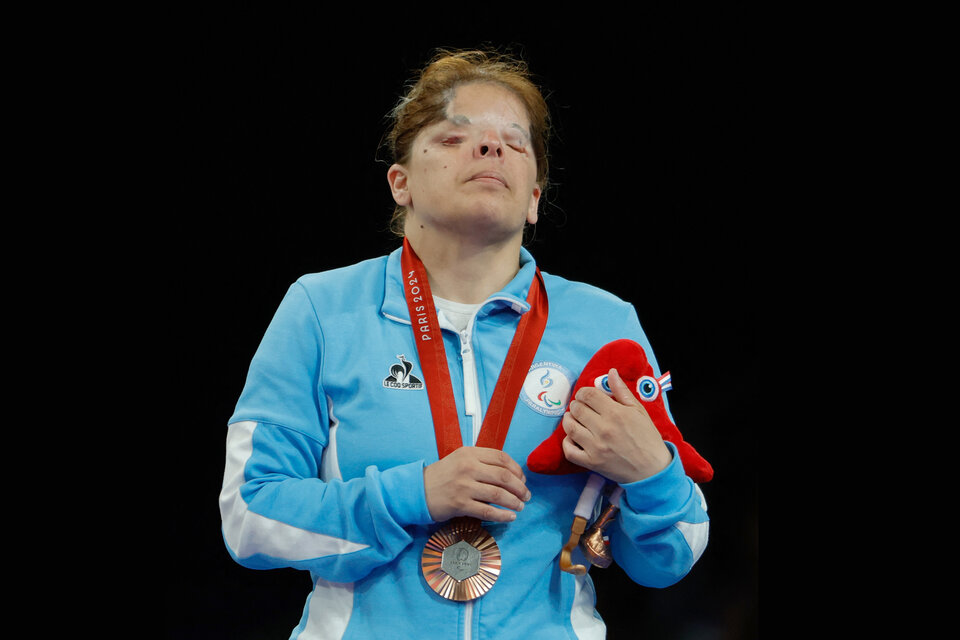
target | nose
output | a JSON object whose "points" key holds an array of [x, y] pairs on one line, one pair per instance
{"points": [[489, 146]]}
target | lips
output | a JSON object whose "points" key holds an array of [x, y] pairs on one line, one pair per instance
{"points": [[491, 177]]}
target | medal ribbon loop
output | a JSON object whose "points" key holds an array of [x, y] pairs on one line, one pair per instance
{"points": [[433, 359]]}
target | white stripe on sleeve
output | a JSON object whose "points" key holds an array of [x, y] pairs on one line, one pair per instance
{"points": [[328, 611], [696, 533], [248, 533], [585, 623]]}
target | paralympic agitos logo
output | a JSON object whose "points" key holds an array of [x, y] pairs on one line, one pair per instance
{"points": [[546, 382], [546, 388]]}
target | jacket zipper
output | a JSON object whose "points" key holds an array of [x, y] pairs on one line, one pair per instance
{"points": [[472, 405]]}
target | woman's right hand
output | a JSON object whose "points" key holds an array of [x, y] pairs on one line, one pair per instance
{"points": [[482, 483]]}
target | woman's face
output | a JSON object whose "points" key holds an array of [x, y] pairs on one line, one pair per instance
{"points": [[475, 171]]}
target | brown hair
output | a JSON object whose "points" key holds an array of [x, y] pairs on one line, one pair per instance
{"points": [[428, 96]]}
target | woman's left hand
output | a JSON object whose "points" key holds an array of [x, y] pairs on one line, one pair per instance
{"points": [[613, 436]]}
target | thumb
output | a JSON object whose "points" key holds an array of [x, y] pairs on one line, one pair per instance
{"points": [[621, 392]]}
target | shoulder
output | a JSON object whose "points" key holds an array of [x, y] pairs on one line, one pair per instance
{"points": [[588, 315], [344, 283], [344, 276], [568, 291]]}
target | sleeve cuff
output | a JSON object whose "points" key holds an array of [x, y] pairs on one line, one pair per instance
{"points": [[663, 493], [404, 494]]}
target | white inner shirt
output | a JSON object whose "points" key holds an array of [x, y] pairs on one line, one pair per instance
{"points": [[460, 316], [457, 313]]}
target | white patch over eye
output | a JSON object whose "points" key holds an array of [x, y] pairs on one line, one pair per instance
{"points": [[516, 142]]}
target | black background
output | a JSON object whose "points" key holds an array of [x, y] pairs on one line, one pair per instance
{"points": [[278, 118]]}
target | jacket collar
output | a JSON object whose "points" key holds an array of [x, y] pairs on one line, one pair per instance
{"points": [[513, 296]]}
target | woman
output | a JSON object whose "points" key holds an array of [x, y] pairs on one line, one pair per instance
{"points": [[391, 399]]}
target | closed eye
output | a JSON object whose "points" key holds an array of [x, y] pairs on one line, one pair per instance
{"points": [[515, 142], [516, 138]]}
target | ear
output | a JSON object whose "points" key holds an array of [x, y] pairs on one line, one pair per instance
{"points": [[532, 210], [397, 178]]}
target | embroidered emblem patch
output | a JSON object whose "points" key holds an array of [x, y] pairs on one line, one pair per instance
{"points": [[546, 388], [400, 377]]}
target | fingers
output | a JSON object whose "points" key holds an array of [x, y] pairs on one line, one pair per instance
{"points": [[574, 453], [496, 457], [505, 481], [597, 399], [621, 392], [596, 411], [488, 512], [583, 416], [482, 483], [611, 433], [494, 504], [488, 490], [575, 430]]}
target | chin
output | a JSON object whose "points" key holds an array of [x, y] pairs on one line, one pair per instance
{"points": [[493, 224], [482, 219]]}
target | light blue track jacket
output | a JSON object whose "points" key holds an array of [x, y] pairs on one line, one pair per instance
{"points": [[329, 439]]}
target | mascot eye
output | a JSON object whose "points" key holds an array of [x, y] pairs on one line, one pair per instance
{"points": [[648, 389], [601, 383]]}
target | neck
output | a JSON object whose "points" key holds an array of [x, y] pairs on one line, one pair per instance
{"points": [[462, 270]]}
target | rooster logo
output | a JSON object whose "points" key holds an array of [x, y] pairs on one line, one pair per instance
{"points": [[400, 377]]}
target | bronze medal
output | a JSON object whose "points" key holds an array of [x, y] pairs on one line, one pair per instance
{"points": [[461, 560]]}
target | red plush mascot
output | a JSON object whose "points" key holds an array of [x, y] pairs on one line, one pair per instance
{"points": [[630, 361]]}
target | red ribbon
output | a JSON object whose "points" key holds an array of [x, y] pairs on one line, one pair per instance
{"points": [[433, 359]]}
